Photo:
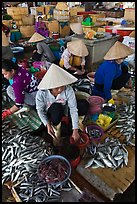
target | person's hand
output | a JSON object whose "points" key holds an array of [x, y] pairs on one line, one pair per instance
{"points": [[34, 51], [51, 130], [75, 135], [6, 113], [79, 72], [83, 71]]}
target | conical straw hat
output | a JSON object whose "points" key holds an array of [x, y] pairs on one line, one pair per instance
{"points": [[132, 34], [78, 48], [5, 41], [76, 28], [36, 37], [117, 51], [56, 77], [62, 6]]}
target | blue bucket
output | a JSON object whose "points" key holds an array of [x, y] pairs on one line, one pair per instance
{"points": [[51, 158]]}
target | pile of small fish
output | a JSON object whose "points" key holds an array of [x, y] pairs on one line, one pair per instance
{"points": [[110, 154], [126, 122], [31, 189], [21, 152], [54, 170]]}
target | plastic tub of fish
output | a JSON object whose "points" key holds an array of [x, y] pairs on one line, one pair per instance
{"points": [[95, 132], [82, 143], [54, 170]]}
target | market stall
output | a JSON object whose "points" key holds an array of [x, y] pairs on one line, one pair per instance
{"points": [[101, 165]]}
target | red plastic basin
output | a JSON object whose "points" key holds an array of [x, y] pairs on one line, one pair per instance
{"points": [[81, 144]]}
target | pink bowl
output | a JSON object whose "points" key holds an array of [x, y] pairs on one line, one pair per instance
{"points": [[95, 104]]}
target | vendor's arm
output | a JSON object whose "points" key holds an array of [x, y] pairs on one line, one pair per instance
{"points": [[14, 109], [66, 57], [72, 104], [41, 106], [83, 64], [41, 110]]}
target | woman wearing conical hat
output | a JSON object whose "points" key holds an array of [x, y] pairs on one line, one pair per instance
{"points": [[113, 72], [73, 57], [43, 51], [55, 99]]}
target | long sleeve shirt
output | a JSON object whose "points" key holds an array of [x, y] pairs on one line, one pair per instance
{"points": [[23, 81], [44, 99], [44, 49], [66, 56], [42, 31], [106, 73]]}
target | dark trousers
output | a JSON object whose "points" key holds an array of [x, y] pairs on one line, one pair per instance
{"points": [[55, 114], [56, 111], [121, 81]]}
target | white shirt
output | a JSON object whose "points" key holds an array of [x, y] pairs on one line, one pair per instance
{"points": [[44, 100], [66, 56]]}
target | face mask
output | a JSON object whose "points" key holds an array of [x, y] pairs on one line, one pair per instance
{"points": [[11, 81]]}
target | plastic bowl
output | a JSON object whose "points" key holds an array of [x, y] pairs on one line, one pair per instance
{"points": [[82, 143], [90, 76], [17, 49], [55, 158], [95, 104], [92, 128]]}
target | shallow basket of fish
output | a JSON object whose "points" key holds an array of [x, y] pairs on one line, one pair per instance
{"points": [[54, 170]]}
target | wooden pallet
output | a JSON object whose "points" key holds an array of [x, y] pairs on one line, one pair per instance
{"points": [[107, 181]]}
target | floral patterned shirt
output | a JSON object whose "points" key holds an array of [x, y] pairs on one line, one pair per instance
{"points": [[23, 81]]}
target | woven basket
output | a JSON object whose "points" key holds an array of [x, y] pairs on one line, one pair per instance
{"points": [[27, 31], [17, 17], [61, 15], [28, 19], [129, 14], [65, 30], [36, 10], [48, 8], [17, 10], [7, 23], [19, 23]]}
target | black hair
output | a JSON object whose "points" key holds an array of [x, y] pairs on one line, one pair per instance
{"points": [[8, 65], [40, 17]]}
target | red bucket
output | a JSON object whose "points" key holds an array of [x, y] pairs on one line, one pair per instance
{"points": [[82, 143]]}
